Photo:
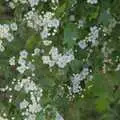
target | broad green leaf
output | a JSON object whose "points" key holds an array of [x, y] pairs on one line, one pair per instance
{"points": [[94, 14], [105, 17], [101, 85], [70, 35], [102, 104], [60, 10], [32, 42]]}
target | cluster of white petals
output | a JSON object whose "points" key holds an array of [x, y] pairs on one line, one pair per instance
{"points": [[32, 3], [12, 61], [23, 63], [77, 78], [32, 107], [92, 1], [92, 38], [44, 23], [56, 58], [6, 34]]}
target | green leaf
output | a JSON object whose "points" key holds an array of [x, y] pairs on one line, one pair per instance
{"points": [[70, 35], [105, 17], [32, 42], [101, 85], [60, 10], [102, 104], [40, 116], [75, 65], [94, 14]]}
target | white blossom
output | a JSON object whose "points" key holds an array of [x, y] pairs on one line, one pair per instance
{"points": [[22, 69], [24, 104], [43, 23], [47, 42], [77, 78], [82, 44], [13, 27], [33, 2], [57, 58], [1, 46], [36, 51], [24, 54], [12, 60], [92, 1]]}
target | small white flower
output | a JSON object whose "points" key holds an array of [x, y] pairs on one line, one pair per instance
{"points": [[55, 23], [12, 5], [36, 51], [44, 34], [81, 23], [24, 104], [47, 42], [12, 60], [61, 62], [24, 54], [21, 61], [13, 27], [92, 1], [33, 2], [2, 48], [21, 69], [46, 59], [23, 1], [9, 37], [82, 44], [51, 63], [54, 53]]}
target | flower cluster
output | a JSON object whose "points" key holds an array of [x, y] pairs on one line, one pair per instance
{"points": [[92, 38], [92, 1], [36, 52], [81, 23], [43, 23], [32, 3], [12, 61], [5, 34], [57, 45], [57, 58], [77, 78], [23, 64], [29, 108]]}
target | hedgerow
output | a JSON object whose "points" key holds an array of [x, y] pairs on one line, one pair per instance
{"points": [[59, 60]]}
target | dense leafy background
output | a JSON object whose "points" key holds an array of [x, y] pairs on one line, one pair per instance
{"points": [[102, 100]]}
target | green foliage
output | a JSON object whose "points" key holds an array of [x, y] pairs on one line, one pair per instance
{"points": [[70, 35], [100, 97]]}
